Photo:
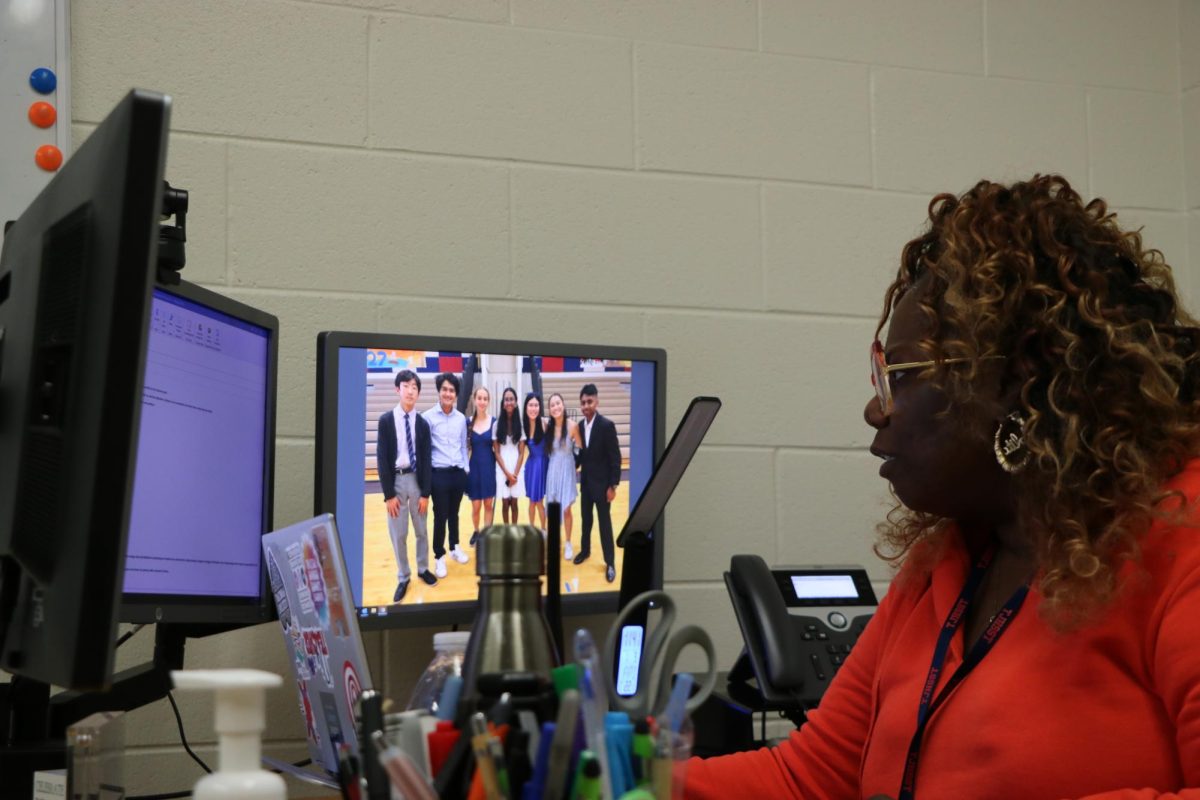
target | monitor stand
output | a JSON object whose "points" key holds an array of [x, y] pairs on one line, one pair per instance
{"points": [[33, 725]]}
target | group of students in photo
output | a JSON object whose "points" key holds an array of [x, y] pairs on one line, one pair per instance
{"points": [[441, 455]]}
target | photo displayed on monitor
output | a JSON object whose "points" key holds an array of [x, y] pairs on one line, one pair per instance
{"points": [[515, 458], [203, 482]]}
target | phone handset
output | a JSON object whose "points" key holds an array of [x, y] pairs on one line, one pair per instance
{"points": [[778, 642]]}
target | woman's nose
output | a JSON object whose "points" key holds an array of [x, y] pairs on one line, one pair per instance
{"points": [[873, 414]]}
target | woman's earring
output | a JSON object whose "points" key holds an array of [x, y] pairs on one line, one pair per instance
{"points": [[1009, 443]]}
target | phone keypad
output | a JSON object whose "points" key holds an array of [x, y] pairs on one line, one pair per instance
{"points": [[826, 650]]}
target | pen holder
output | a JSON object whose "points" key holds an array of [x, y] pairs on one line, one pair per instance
{"points": [[672, 750]]}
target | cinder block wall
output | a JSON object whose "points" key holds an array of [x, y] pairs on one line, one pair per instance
{"points": [[728, 179]]}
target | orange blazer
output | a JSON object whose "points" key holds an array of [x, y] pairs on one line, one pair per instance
{"points": [[1110, 711]]}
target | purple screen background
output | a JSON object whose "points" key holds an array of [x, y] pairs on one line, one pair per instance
{"points": [[197, 517]]}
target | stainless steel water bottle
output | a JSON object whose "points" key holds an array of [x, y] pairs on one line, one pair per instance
{"points": [[510, 633]]}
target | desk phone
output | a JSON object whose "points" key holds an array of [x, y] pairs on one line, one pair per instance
{"points": [[799, 625]]}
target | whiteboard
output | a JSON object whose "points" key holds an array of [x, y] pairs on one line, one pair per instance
{"points": [[33, 34]]}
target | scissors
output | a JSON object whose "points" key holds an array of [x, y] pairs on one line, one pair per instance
{"points": [[660, 643]]}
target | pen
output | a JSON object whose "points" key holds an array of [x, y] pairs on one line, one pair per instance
{"points": [[541, 765], [516, 758], [643, 751], [483, 756], [589, 784], [502, 710], [348, 773], [561, 745], [618, 733], [565, 677], [496, 748], [677, 705], [401, 770], [594, 706], [371, 720], [448, 702], [440, 743]]}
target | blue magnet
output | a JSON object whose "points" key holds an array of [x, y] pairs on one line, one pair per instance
{"points": [[43, 80]]}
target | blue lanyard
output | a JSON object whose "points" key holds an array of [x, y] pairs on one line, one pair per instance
{"points": [[981, 648]]}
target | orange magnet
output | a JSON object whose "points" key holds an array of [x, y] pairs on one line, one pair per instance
{"points": [[48, 157], [42, 114]]}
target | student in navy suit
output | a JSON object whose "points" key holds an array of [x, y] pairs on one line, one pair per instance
{"points": [[599, 476], [403, 455]]}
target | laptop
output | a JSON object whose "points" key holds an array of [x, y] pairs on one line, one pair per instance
{"points": [[316, 612]]}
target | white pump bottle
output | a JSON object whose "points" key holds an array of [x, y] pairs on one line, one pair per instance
{"points": [[239, 719]]}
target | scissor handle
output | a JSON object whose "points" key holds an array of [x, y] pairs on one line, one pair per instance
{"points": [[645, 701], [688, 634]]}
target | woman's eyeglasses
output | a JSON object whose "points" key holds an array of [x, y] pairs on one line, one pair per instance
{"points": [[881, 372]]}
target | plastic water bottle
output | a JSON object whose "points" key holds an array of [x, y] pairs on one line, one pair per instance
{"points": [[449, 648]]}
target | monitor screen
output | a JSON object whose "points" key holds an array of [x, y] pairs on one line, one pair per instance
{"points": [[357, 389], [75, 279], [202, 487]]}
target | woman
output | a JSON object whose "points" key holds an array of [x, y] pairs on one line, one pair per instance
{"points": [[535, 466], [562, 439], [1036, 412], [509, 450], [481, 480]]}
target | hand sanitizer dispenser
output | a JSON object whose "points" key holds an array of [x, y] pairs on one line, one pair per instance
{"points": [[239, 719]]}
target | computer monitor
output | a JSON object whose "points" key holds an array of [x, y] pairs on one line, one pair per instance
{"points": [[356, 375], [75, 278], [202, 488]]}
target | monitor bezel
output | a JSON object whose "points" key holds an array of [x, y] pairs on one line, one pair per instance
{"points": [[329, 344], [64, 633], [221, 609]]}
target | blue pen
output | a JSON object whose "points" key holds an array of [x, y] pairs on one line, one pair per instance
{"points": [[541, 765], [448, 702], [677, 705]]}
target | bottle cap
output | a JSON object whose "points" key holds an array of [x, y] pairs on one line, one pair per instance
{"points": [[451, 640], [516, 551]]}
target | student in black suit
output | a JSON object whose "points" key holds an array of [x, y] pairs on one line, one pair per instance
{"points": [[599, 476], [403, 455]]}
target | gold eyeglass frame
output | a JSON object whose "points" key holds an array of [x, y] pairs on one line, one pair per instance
{"points": [[881, 372]]}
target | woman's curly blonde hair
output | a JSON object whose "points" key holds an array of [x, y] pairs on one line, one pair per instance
{"points": [[1099, 358]]}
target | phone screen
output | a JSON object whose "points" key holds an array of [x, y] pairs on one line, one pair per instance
{"points": [[813, 587], [629, 658]]}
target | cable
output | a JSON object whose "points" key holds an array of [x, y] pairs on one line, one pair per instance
{"points": [[125, 637], [172, 795], [183, 738]]}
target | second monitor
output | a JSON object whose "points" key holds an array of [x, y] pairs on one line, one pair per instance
{"points": [[203, 485], [359, 409]]}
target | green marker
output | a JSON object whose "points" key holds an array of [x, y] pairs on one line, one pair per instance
{"points": [[565, 677], [587, 784], [643, 751]]}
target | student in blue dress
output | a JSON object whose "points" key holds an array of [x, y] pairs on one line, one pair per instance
{"points": [[562, 442], [481, 480], [509, 445], [535, 466]]}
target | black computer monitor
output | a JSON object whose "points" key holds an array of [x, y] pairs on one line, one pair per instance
{"points": [[75, 279], [356, 384], [202, 488]]}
